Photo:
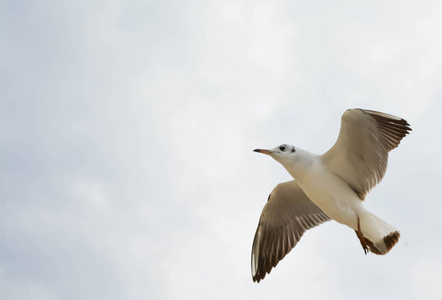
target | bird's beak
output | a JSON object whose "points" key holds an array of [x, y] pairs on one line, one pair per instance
{"points": [[268, 152]]}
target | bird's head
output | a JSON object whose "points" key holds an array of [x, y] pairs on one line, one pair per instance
{"points": [[282, 153]]}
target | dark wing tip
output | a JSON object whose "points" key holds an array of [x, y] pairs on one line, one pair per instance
{"points": [[393, 129], [257, 279]]}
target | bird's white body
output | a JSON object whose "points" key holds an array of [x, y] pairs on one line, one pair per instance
{"points": [[329, 192], [334, 196]]}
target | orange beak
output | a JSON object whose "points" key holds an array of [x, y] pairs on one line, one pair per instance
{"points": [[263, 151]]}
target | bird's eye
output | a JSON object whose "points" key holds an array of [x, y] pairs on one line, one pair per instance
{"points": [[282, 148]]}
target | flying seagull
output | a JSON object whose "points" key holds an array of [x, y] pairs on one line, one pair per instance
{"points": [[329, 186]]}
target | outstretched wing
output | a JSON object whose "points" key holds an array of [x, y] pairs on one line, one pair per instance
{"points": [[360, 154], [284, 219]]}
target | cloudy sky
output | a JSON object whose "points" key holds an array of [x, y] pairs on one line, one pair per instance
{"points": [[126, 138]]}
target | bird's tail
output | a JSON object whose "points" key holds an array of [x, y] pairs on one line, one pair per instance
{"points": [[378, 236]]}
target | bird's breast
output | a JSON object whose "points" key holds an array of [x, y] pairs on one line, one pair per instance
{"points": [[330, 193]]}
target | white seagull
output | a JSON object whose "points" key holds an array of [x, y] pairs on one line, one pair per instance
{"points": [[329, 186]]}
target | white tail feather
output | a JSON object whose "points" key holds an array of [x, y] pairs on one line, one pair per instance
{"points": [[383, 235]]}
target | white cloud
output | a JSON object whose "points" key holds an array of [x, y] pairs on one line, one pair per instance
{"points": [[128, 129], [425, 276]]}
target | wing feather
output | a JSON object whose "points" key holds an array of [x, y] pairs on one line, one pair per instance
{"points": [[284, 219], [360, 154]]}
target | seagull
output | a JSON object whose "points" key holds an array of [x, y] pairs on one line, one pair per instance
{"points": [[329, 186]]}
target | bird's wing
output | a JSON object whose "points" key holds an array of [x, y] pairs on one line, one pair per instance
{"points": [[360, 154], [284, 219]]}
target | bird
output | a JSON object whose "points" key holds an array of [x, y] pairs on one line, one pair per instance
{"points": [[329, 186]]}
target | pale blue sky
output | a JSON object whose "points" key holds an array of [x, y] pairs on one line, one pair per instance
{"points": [[126, 138]]}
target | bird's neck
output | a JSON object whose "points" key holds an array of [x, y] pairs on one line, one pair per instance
{"points": [[300, 165]]}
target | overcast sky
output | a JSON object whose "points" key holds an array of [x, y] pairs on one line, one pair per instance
{"points": [[126, 138]]}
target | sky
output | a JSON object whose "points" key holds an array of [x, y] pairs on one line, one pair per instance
{"points": [[126, 138]]}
